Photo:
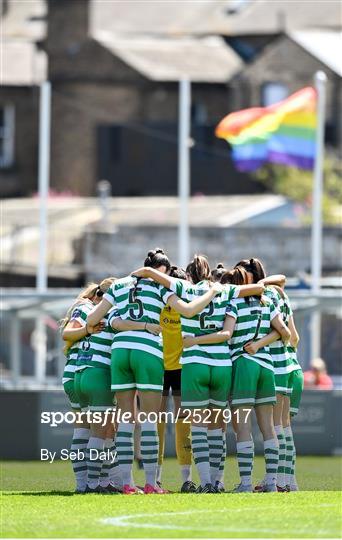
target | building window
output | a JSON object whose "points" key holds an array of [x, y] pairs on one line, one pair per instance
{"points": [[273, 92], [6, 136]]}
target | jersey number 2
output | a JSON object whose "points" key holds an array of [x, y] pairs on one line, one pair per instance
{"points": [[137, 305], [209, 310]]}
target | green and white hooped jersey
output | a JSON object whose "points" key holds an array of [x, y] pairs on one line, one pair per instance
{"points": [[295, 365], [138, 300], [253, 321], [279, 351], [80, 311], [92, 351], [209, 321]]}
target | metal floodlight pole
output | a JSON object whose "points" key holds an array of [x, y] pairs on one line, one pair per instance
{"points": [[184, 120], [43, 181], [39, 335], [317, 191]]}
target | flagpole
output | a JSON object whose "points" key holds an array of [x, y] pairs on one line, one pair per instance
{"points": [[39, 335], [43, 181], [184, 171], [316, 230]]}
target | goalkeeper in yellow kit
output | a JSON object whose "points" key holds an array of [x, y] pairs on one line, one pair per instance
{"points": [[172, 351]]}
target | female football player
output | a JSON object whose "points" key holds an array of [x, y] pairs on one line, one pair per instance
{"points": [[172, 352], [91, 356], [287, 373], [206, 372], [137, 361], [253, 379], [81, 431]]}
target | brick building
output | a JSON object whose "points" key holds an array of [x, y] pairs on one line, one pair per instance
{"points": [[114, 72]]}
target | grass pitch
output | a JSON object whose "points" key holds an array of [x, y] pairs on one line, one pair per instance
{"points": [[37, 501]]}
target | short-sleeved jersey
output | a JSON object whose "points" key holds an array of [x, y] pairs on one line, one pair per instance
{"points": [[92, 351], [208, 321], [295, 365], [279, 351], [172, 338], [253, 321], [79, 313], [138, 300]]}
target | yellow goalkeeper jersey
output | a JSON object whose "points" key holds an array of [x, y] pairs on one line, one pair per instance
{"points": [[172, 338]]}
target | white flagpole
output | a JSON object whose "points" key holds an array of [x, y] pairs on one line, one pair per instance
{"points": [[43, 181], [184, 171], [39, 335], [316, 230]]}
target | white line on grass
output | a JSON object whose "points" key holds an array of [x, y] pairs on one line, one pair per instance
{"points": [[129, 520]]}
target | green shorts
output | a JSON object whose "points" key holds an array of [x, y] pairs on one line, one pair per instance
{"points": [[92, 387], [253, 384], [203, 385], [297, 385], [71, 394], [133, 369], [282, 384]]}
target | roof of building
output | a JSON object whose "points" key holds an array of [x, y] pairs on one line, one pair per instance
{"points": [[272, 17], [325, 45], [171, 17], [27, 19], [225, 17], [22, 63], [24, 20], [206, 59]]}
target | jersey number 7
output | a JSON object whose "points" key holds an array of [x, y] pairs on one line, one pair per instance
{"points": [[137, 304]]}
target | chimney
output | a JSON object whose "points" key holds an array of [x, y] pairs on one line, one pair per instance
{"points": [[68, 25]]}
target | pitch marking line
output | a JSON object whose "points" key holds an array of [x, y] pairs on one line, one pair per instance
{"points": [[130, 520]]}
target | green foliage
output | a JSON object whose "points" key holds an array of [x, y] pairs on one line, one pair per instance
{"points": [[296, 184]]}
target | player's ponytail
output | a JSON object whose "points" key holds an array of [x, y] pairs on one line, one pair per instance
{"points": [[218, 272], [255, 267], [87, 293], [157, 258], [177, 272], [198, 269], [237, 276]]}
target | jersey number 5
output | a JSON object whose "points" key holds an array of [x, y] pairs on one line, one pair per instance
{"points": [[137, 305], [209, 310]]}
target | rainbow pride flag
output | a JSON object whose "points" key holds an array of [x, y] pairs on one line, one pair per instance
{"points": [[282, 133]]}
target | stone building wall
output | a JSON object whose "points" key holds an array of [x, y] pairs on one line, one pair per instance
{"points": [[283, 250]]}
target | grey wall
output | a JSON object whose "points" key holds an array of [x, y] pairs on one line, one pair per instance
{"points": [[285, 250]]}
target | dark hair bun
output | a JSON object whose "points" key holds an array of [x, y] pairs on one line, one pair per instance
{"points": [[220, 265]]}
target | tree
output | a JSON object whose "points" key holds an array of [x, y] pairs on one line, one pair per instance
{"points": [[296, 184]]}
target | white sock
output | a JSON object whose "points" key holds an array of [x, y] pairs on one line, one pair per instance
{"points": [[271, 452], [290, 452], [186, 473], [245, 457], [125, 452], [80, 440], [149, 451], [114, 472], [215, 442], [224, 458], [94, 466], [282, 455], [200, 451]]}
